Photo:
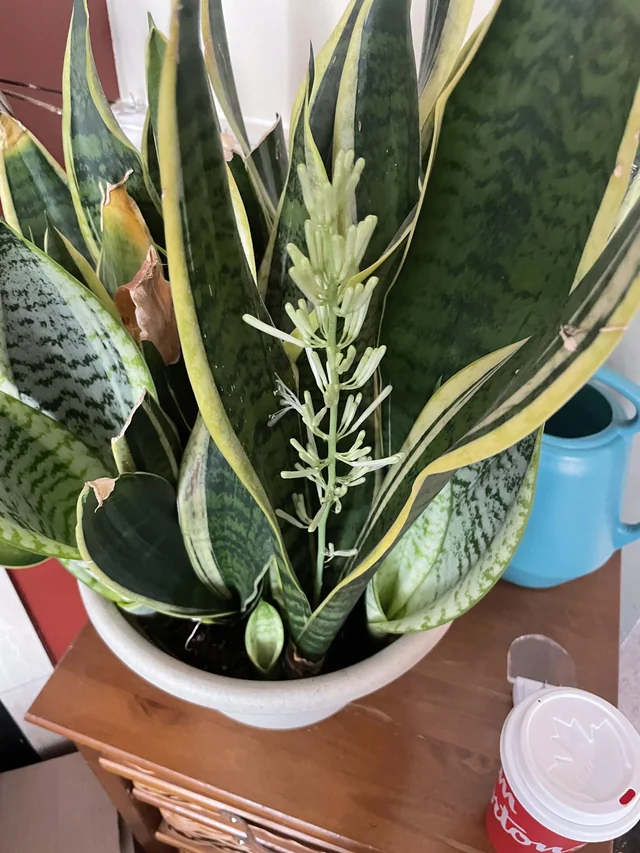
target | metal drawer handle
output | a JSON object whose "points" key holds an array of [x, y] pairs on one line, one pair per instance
{"points": [[251, 843]]}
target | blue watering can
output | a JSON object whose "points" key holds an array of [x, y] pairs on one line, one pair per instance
{"points": [[575, 523]]}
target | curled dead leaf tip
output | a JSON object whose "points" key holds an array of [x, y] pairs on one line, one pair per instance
{"points": [[102, 488], [229, 145], [146, 308], [571, 337], [109, 188], [10, 131]]}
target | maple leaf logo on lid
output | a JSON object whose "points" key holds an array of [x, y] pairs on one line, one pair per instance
{"points": [[589, 765]]}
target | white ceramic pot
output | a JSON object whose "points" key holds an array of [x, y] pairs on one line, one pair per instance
{"points": [[266, 705]]}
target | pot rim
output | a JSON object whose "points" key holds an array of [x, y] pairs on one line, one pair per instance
{"points": [[198, 686]]}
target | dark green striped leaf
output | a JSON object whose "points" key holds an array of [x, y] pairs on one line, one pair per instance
{"points": [[476, 523], [445, 26], [148, 442], [584, 331], [33, 187], [56, 247], [232, 366], [274, 280], [149, 154], [496, 401], [329, 65], [617, 199], [377, 117], [242, 224], [174, 391], [156, 49], [488, 407], [154, 58], [513, 191], [459, 547], [271, 161], [130, 538], [220, 70], [218, 59], [436, 13], [125, 238], [228, 536], [64, 352], [63, 252], [255, 215], [632, 196], [320, 91], [42, 471], [96, 151]]}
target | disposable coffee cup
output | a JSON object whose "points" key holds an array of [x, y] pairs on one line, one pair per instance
{"points": [[570, 774]]}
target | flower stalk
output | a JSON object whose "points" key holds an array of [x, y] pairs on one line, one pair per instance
{"points": [[328, 321]]}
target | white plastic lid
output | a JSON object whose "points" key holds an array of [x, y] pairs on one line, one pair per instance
{"points": [[573, 761]]}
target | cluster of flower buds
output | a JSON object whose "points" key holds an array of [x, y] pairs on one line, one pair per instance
{"points": [[327, 323]]}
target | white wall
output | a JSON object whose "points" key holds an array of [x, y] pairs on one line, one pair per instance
{"points": [[268, 40], [129, 28]]}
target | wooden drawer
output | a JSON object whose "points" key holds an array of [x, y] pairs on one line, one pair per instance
{"points": [[220, 829], [173, 839], [176, 840], [191, 818]]}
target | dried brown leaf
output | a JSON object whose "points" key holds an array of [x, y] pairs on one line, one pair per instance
{"points": [[102, 488], [146, 308], [11, 131], [229, 146]]}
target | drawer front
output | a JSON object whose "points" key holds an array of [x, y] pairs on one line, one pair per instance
{"points": [[176, 840], [220, 828], [203, 820]]}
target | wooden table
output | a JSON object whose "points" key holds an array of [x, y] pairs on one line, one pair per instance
{"points": [[407, 770]]}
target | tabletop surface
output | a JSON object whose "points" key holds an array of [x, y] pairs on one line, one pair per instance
{"points": [[410, 768]]}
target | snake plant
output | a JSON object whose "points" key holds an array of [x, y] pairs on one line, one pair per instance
{"points": [[264, 386]]}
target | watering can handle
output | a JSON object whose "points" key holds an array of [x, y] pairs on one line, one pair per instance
{"points": [[625, 533]]}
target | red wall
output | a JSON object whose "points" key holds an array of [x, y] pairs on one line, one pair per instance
{"points": [[50, 596], [32, 42]]}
